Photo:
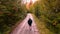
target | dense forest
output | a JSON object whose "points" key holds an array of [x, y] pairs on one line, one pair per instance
{"points": [[48, 11], [12, 11]]}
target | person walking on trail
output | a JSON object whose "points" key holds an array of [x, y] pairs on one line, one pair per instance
{"points": [[30, 23]]}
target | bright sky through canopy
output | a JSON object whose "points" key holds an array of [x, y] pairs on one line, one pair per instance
{"points": [[28, 3]]}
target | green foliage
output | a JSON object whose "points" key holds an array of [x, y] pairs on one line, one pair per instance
{"points": [[37, 9], [49, 12], [10, 13]]}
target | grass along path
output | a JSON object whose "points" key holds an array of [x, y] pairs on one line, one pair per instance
{"points": [[41, 26]]}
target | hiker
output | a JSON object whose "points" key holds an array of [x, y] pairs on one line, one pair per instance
{"points": [[30, 23]]}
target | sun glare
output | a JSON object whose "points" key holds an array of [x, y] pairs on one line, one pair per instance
{"points": [[28, 1], [34, 1]]}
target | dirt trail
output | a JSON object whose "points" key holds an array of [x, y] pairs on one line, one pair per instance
{"points": [[24, 28]]}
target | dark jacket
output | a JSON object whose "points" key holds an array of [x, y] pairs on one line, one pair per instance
{"points": [[30, 22]]}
